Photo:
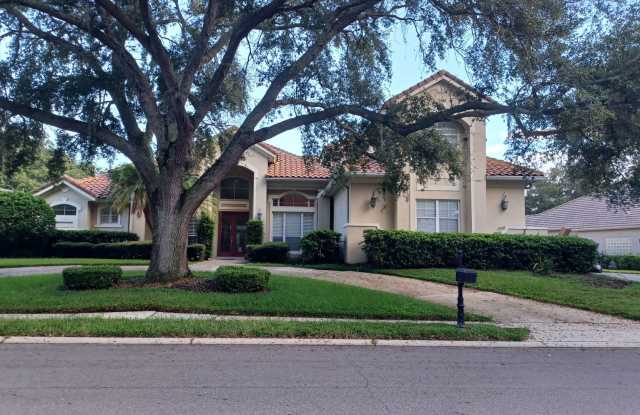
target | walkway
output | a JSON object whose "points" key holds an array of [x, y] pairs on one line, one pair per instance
{"points": [[550, 324]]}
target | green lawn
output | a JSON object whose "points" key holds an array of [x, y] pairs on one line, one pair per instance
{"points": [[217, 328], [287, 296], [589, 292], [36, 262]]}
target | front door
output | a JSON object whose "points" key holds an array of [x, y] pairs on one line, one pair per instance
{"points": [[232, 233]]}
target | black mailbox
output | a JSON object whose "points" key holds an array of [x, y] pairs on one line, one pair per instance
{"points": [[466, 276]]}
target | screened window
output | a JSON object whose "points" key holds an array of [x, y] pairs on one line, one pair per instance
{"points": [[437, 215], [193, 230], [619, 246], [290, 227], [108, 216], [449, 131], [234, 188], [294, 200], [64, 210]]}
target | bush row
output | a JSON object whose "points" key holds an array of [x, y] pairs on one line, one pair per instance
{"points": [[630, 262], [122, 250], [268, 252], [92, 236], [321, 246], [410, 249]]}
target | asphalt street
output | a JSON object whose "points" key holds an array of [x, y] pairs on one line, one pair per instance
{"points": [[92, 379]]}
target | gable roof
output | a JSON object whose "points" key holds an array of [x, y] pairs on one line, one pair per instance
{"points": [[587, 212], [98, 186]]}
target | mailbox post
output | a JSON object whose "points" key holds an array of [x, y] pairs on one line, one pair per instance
{"points": [[463, 275]]}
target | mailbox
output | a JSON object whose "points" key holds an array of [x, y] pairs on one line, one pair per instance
{"points": [[465, 275]]}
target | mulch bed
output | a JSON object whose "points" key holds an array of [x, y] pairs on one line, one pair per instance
{"points": [[188, 283]]}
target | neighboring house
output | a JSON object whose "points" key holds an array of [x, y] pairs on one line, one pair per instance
{"points": [[293, 198], [616, 230]]}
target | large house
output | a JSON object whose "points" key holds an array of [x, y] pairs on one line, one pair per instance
{"points": [[615, 229], [292, 198]]}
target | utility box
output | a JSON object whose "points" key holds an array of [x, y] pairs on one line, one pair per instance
{"points": [[466, 276]]}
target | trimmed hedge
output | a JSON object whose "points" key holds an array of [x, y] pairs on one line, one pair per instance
{"points": [[26, 224], [411, 249], [321, 246], [93, 277], [205, 231], [234, 279], [93, 236], [126, 250], [254, 232], [630, 262], [268, 252]]}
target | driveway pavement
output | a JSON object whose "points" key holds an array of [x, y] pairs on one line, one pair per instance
{"points": [[373, 380]]}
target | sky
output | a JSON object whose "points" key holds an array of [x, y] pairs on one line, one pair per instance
{"points": [[408, 70]]}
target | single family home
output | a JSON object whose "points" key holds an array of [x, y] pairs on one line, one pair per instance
{"points": [[293, 198]]}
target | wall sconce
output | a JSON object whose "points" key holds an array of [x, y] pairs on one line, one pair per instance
{"points": [[373, 200], [504, 203], [259, 215]]}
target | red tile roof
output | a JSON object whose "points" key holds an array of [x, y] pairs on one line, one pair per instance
{"points": [[289, 165], [97, 186], [497, 167]]}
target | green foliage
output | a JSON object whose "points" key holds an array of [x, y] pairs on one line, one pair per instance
{"points": [[205, 231], [410, 249], [120, 250], [321, 247], [630, 262], [91, 277], [254, 232], [542, 266], [93, 236], [127, 188], [26, 224], [268, 252], [237, 279], [555, 190]]}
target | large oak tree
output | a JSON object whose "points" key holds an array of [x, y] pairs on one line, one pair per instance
{"points": [[155, 79]]}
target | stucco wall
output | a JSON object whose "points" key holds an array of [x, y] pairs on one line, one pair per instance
{"points": [[341, 210], [65, 195], [601, 236], [495, 217], [124, 219], [361, 212]]}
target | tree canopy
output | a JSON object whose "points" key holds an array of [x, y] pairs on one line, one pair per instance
{"points": [[154, 79]]}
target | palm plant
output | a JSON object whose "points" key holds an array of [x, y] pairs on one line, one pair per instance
{"points": [[127, 189]]}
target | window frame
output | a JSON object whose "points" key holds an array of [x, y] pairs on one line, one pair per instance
{"points": [[294, 210], [235, 188], [101, 224], [437, 216]]}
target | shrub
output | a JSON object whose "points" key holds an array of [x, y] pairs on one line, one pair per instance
{"points": [[321, 246], [542, 266], [206, 228], [268, 252], [196, 252], [410, 249], [254, 232], [93, 236], [235, 279], [92, 277], [630, 262], [26, 224], [124, 250]]}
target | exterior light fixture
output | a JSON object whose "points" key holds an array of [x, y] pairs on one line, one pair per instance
{"points": [[373, 201], [504, 203]]}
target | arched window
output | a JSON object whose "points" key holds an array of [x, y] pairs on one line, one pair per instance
{"points": [[234, 188], [64, 210], [294, 200]]}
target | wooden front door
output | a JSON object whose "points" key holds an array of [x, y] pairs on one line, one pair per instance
{"points": [[232, 233]]}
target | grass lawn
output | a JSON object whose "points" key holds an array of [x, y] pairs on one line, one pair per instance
{"points": [[96, 327], [287, 296], [588, 292], [35, 262]]}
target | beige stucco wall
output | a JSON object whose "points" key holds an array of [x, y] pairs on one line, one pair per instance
{"points": [[64, 195], [495, 217], [124, 219]]}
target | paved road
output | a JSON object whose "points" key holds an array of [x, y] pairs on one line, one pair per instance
{"points": [[158, 380]]}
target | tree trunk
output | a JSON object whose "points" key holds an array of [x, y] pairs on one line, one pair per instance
{"points": [[170, 235]]}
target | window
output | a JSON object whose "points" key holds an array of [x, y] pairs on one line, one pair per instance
{"points": [[619, 246], [234, 188], [294, 200], [437, 215], [290, 227], [449, 131], [64, 210], [193, 230], [108, 216]]}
